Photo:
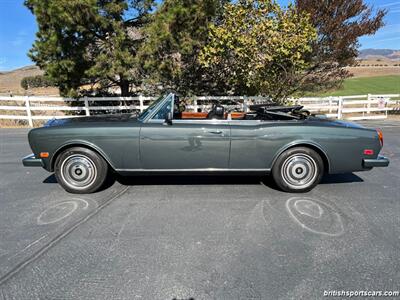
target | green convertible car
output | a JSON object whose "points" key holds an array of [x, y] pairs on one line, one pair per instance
{"points": [[286, 142]]}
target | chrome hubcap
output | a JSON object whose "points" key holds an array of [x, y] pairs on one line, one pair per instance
{"points": [[299, 171], [78, 171]]}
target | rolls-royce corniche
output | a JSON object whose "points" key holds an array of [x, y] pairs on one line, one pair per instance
{"points": [[289, 143]]}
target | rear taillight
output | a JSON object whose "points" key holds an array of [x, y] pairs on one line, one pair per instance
{"points": [[380, 135], [368, 152]]}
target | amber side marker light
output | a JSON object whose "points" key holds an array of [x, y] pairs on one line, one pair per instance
{"points": [[44, 154], [380, 135]]}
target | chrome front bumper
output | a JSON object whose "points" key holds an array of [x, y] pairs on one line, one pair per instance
{"points": [[32, 161], [380, 161]]}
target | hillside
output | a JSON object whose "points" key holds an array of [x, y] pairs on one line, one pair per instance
{"points": [[10, 82], [379, 54]]}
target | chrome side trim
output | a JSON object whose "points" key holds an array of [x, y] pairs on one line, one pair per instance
{"points": [[194, 170], [201, 121]]}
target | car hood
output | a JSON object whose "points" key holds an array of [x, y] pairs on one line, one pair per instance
{"points": [[90, 120]]}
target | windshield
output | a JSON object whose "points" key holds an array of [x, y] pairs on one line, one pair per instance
{"points": [[149, 109]]}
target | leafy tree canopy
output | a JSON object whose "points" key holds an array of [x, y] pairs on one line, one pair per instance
{"points": [[199, 46], [259, 48], [339, 23], [83, 42], [174, 40]]}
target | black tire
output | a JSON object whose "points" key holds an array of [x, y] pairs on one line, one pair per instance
{"points": [[80, 170], [298, 170]]}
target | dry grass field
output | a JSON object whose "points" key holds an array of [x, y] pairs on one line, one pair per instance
{"points": [[373, 67], [374, 71], [10, 83]]}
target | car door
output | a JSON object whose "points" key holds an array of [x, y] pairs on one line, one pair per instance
{"points": [[183, 144], [247, 149], [254, 143]]}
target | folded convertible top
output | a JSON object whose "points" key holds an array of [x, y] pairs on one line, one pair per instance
{"points": [[268, 107]]}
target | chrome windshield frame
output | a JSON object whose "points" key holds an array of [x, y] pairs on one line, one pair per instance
{"points": [[156, 108], [149, 114]]}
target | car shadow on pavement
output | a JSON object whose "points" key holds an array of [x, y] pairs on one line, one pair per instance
{"points": [[50, 179], [209, 180], [340, 178], [188, 180]]}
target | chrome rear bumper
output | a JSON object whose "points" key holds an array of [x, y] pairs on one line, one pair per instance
{"points": [[380, 161]]}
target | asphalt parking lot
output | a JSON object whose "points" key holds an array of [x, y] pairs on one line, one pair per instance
{"points": [[197, 237]]}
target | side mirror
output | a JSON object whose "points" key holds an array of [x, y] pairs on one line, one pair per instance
{"points": [[168, 119]]}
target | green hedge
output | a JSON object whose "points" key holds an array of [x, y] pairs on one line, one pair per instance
{"points": [[35, 82]]}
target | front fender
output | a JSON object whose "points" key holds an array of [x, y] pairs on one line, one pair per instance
{"points": [[78, 143]]}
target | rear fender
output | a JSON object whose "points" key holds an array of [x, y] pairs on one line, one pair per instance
{"points": [[304, 143]]}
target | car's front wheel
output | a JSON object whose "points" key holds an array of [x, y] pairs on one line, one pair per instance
{"points": [[298, 170], [80, 170]]}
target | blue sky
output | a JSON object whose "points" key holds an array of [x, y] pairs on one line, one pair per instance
{"points": [[18, 27]]}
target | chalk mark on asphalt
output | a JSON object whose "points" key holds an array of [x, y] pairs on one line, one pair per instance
{"points": [[60, 211], [302, 209], [20, 266], [65, 209]]}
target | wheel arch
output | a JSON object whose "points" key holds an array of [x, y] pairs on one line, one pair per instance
{"points": [[307, 144], [82, 144]]}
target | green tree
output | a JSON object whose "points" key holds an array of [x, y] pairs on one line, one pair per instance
{"points": [[35, 81], [174, 40], [339, 23], [89, 42], [258, 48]]}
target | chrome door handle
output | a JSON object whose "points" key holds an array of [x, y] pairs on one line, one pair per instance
{"points": [[215, 131]]}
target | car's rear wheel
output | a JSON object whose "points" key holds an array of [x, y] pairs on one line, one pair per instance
{"points": [[298, 170], [80, 170]]}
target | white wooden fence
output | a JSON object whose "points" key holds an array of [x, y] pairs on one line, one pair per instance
{"points": [[344, 107], [359, 107]]}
